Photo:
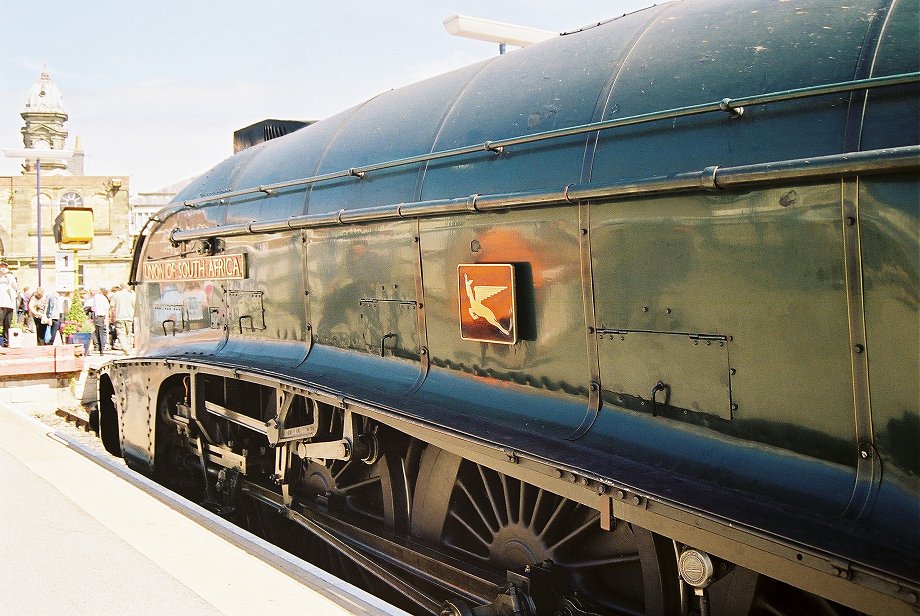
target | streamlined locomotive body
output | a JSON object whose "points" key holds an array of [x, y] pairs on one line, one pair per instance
{"points": [[623, 322]]}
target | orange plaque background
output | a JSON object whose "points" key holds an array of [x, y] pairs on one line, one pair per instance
{"points": [[487, 302]]}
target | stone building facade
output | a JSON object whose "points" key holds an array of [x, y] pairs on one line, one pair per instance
{"points": [[62, 182]]}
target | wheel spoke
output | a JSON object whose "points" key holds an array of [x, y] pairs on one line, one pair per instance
{"points": [[472, 531], [482, 515], [591, 523], [552, 518], [521, 490], [488, 490], [336, 474], [361, 484], [463, 550], [504, 481], [622, 559], [534, 515]]}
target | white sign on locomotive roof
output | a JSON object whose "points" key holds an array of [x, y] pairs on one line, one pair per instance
{"points": [[221, 267]]}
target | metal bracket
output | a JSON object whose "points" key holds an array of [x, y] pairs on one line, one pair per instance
{"points": [[608, 521], [275, 429], [498, 149], [736, 111]]}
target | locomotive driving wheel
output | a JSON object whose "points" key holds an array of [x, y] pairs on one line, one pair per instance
{"points": [[499, 523]]}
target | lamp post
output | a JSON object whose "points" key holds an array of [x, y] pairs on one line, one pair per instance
{"points": [[38, 154]]}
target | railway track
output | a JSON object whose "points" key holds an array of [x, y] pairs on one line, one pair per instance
{"points": [[80, 418]]}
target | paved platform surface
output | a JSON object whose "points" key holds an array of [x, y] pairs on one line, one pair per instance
{"points": [[76, 539]]}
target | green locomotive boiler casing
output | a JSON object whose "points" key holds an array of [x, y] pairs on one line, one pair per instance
{"points": [[711, 213]]}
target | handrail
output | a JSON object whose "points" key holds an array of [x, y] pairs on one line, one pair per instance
{"points": [[733, 106], [889, 160]]}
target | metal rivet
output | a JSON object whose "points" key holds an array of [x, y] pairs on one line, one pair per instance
{"points": [[734, 407], [621, 494], [859, 348], [644, 308], [558, 473], [732, 371], [585, 481], [573, 478], [590, 330], [850, 221], [601, 488], [636, 500], [584, 232], [864, 454], [667, 311]]}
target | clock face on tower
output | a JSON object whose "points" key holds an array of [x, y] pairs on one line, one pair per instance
{"points": [[71, 198]]}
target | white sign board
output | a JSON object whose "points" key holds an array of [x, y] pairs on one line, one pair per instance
{"points": [[65, 261], [65, 269], [64, 283]]}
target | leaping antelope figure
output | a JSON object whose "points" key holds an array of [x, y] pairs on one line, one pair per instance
{"points": [[477, 309]]}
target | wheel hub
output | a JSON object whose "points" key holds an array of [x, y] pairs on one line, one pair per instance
{"points": [[514, 546]]}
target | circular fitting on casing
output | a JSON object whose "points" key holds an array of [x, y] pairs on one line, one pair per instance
{"points": [[695, 568]]}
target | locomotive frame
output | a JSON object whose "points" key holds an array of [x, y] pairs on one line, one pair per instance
{"points": [[472, 485]]}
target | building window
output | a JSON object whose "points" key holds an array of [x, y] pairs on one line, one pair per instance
{"points": [[71, 198]]}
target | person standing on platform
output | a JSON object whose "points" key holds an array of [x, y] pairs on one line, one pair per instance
{"points": [[9, 294], [53, 312], [100, 306], [123, 315], [38, 308], [22, 309], [65, 302], [86, 296]]}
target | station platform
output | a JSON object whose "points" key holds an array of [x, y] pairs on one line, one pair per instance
{"points": [[75, 538]]}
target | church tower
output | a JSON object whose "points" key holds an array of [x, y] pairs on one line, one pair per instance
{"points": [[44, 117]]}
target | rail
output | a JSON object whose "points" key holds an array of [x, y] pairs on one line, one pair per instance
{"points": [[891, 160], [733, 106]]}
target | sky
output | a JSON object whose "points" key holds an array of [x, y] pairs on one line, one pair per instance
{"points": [[155, 89]]}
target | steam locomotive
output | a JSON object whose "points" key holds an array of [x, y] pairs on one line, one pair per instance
{"points": [[623, 322]]}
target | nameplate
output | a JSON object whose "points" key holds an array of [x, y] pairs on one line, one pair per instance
{"points": [[220, 267]]}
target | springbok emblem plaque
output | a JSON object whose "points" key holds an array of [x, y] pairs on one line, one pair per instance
{"points": [[487, 302]]}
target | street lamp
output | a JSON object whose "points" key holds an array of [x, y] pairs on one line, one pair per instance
{"points": [[38, 154]]}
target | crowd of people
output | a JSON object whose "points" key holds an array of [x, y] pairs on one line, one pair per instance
{"points": [[112, 312], [43, 311]]}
